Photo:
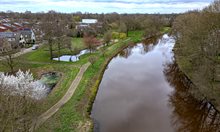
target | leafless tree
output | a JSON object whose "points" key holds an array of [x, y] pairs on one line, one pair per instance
{"points": [[8, 54], [90, 42], [16, 111], [48, 25], [92, 59], [107, 37]]}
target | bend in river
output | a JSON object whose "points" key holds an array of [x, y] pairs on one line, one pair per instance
{"points": [[142, 90]]}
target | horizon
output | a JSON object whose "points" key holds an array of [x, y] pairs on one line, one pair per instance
{"points": [[105, 6]]}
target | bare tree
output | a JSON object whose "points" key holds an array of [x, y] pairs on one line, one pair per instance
{"points": [[8, 54], [92, 59], [90, 42], [48, 25], [122, 27], [107, 37], [58, 33], [16, 103]]}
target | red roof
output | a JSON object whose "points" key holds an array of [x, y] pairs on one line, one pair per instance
{"points": [[14, 28], [3, 28]]}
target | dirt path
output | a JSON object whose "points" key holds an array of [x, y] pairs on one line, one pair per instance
{"points": [[43, 117]]}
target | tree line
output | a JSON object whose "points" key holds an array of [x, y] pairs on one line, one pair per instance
{"points": [[197, 48]]}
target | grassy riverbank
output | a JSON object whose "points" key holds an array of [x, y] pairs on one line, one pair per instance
{"points": [[74, 116]]}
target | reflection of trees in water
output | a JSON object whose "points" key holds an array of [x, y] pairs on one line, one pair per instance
{"points": [[147, 46], [189, 114], [126, 52], [149, 43], [152, 40]]}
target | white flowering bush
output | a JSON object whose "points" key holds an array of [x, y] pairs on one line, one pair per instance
{"points": [[23, 83]]}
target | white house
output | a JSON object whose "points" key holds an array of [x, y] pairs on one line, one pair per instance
{"points": [[86, 23], [89, 21]]}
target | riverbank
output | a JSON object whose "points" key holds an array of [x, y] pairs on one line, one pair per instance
{"points": [[43, 117], [74, 116]]}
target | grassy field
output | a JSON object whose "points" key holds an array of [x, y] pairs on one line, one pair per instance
{"points": [[78, 43], [74, 116], [38, 62]]}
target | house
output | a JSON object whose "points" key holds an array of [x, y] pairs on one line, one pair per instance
{"points": [[16, 34], [28, 35], [91, 26], [3, 29], [13, 38], [89, 21], [85, 23], [10, 36]]}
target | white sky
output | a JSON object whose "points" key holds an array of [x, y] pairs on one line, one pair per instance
{"points": [[104, 6]]}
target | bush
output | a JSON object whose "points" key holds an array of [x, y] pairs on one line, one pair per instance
{"points": [[122, 35], [116, 35]]}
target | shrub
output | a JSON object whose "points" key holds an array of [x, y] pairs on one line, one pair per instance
{"points": [[116, 35], [122, 35]]}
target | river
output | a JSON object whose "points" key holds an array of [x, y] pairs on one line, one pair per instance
{"points": [[142, 91]]}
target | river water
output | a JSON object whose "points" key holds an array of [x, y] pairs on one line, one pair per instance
{"points": [[142, 91]]}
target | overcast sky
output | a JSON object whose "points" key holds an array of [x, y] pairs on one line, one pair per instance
{"points": [[104, 6]]}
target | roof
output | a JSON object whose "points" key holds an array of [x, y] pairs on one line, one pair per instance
{"points": [[7, 35], [89, 21], [3, 29]]}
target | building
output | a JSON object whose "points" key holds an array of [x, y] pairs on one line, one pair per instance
{"points": [[28, 35], [88, 26], [3, 29], [85, 23]]}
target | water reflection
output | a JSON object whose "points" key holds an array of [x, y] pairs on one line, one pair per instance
{"points": [[143, 91], [133, 94], [142, 48], [189, 114], [72, 58]]}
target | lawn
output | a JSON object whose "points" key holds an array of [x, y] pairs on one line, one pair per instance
{"points": [[78, 43], [74, 116], [42, 54]]}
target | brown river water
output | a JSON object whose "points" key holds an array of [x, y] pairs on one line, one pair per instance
{"points": [[142, 91]]}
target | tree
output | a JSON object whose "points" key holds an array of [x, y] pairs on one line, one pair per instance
{"points": [[107, 37], [122, 27], [67, 42], [18, 98], [152, 26], [8, 54], [58, 33], [92, 59], [90, 42], [48, 25], [197, 48]]}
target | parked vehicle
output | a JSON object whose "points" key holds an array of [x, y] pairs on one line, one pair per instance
{"points": [[35, 46]]}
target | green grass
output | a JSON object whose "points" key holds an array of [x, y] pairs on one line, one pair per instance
{"points": [[39, 55], [78, 43], [136, 36], [42, 54], [76, 112], [68, 75], [165, 30]]}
